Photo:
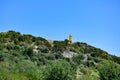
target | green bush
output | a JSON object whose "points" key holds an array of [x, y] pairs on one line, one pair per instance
{"points": [[87, 73], [109, 71], [97, 60], [28, 51], [58, 56], [77, 58], [59, 70]]}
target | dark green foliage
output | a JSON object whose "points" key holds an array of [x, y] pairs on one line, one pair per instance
{"points": [[26, 57], [24, 70], [42, 41], [116, 59], [44, 50], [59, 70], [2, 56], [88, 73], [59, 46], [94, 54], [50, 57], [58, 56], [66, 41], [89, 57], [97, 60], [109, 71], [77, 58], [28, 51], [42, 60], [89, 63]]}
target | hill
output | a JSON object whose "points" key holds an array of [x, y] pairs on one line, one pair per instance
{"points": [[26, 57]]}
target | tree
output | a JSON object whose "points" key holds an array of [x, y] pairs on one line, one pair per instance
{"points": [[28, 51], [109, 71], [59, 70], [77, 58], [66, 41]]}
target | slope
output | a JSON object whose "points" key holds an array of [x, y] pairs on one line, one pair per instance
{"points": [[26, 56]]}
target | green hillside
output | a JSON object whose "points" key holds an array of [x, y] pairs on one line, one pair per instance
{"points": [[26, 57]]}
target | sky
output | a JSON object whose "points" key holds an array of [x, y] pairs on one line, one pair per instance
{"points": [[96, 22]]}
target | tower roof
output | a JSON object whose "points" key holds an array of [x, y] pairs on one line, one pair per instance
{"points": [[70, 34]]}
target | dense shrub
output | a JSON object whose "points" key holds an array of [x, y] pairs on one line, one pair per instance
{"points": [[109, 71], [87, 74], [59, 46], [59, 70], [77, 58], [24, 70], [28, 51]]}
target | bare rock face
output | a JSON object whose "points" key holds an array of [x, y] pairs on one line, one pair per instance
{"points": [[68, 54], [36, 49]]}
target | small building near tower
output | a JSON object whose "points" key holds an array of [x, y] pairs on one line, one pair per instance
{"points": [[70, 38]]}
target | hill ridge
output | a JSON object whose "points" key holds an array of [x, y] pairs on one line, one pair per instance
{"points": [[26, 57], [13, 37]]}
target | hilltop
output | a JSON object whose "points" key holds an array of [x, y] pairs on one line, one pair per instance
{"points": [[26, 57]]}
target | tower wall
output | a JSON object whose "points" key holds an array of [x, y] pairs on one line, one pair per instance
{"points": [[70, 39]]}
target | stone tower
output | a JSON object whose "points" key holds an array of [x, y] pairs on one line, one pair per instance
{"points": [[70, 38]]}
